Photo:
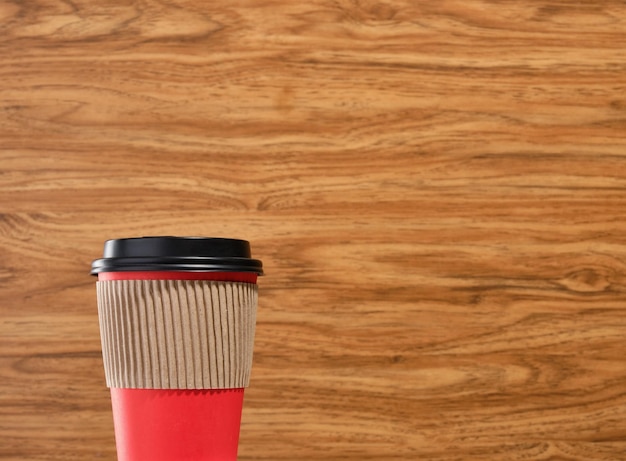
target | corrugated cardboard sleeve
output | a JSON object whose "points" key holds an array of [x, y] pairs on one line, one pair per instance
{"points": [[177, 334]]}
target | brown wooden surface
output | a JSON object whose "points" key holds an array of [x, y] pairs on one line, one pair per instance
{"points": [[437, 190]]}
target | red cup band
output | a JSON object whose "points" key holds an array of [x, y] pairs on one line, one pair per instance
{"points": [[246, 277]]}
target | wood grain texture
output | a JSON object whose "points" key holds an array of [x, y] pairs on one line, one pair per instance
{"points": [[436, 189]]}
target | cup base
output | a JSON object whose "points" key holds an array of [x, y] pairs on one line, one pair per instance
{"points": [[177, 425]]}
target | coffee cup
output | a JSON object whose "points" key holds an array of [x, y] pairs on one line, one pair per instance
{"points": [[177, 320]]}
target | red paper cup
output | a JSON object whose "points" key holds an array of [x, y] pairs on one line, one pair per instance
{"points": [[177, 322]]}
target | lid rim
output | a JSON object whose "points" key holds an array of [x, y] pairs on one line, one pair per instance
{"points": [[175, 268]]}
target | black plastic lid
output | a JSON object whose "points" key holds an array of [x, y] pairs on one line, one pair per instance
{"points": [[203, 254]]}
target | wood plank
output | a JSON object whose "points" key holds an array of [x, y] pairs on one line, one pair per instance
{"points": [[436, 189]]}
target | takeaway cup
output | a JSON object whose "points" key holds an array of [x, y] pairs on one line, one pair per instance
{"points": [[177, 319]]}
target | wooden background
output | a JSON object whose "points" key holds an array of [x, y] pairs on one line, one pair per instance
{"points": [[437, 190]]}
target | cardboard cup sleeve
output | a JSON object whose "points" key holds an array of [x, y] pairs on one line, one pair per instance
{"points": [[177, 334]]}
